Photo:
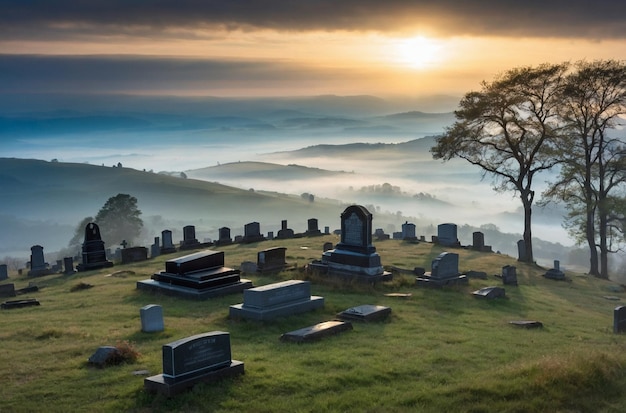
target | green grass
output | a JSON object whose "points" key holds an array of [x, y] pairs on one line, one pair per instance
{"points": [[441, 350]]}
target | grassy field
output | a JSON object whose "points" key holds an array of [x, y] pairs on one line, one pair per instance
{"points": [[440, 351]]}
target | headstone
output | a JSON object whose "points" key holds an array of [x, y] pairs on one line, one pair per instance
{"points": [[555, 273], [476, 274], [447, 235], [4, 272], [326, 230], [68, 264], [312, 228], [151, 318], [168, 245], [155, 249], [380, 235], [397, 235], [189, 238], [490, 293], [104, 355], [509, 275], [271, 260], [38, 265], [284, 232], [355, 257], [327, 246], [270, 235], [200, 275], [94, 255], [224, 236], [423, 238], [276, 300], [186, 362], [317, 331], [408, 231], [252, 233], [521, 251], [528, 324], [478, 241], [134, 254], [619, 319], [7, 290], [444, 271], [366, 312]]}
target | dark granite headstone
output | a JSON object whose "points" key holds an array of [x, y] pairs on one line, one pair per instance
{"points": [[521, 250], [4, 272], [490, 293], [168, 245], [224, 236], [271, 260], [68, 264], [276, 300], [189, 238], [365, 312], [447, 235], [355, 257], [619, 319], [444, 271], [94, 255], [134, 254], [103, 356], [284, 232], [478, 241], [27, 302], [312, 228], [201, 358], [408, 231], [151, 318], [200, 275], [509, 275], [38, 265], [317, 331], [252, 233], [7, 290]]}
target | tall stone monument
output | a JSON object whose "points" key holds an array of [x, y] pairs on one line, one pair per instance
{"points": [[38, 265], [94, 254]]}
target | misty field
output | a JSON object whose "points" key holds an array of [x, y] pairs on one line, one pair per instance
{"points": [[440, 350]]}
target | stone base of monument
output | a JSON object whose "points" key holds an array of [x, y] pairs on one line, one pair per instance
{"points": [[94, 266], [435, 282], [171, 387], [555, 274], [317, 331], [349, 273], [276, 300], [28, 302], [365, 312], [40, 272], [193, 293]]}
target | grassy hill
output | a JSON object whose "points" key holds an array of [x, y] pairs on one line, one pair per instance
{"points": [[259, 170], [440, 350]]}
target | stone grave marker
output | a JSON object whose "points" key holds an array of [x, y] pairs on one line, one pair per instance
{"points": [[444, 271], [317, 331], [365, 312], [447, 235], [312, 228], [27, 302], [408, 231], [555, 273], [186, 362], [619, 319], [326, 230], [189, 238], [478, 241], [68, 265], [490, 293], [521, 250], [509, 275], [224, 236], [93, 252], [38, 265], [276, 300], [284, 232], [327, 246], [155, 248], [200, 275], [103, 356], [252, 233], [151, 318], [7, 290], [4, 272], [168, 245], [134, 254], [271, 260], [354, 257]]}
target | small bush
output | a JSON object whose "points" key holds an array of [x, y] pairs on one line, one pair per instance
{"points": [[80, 286], [126, 353]]}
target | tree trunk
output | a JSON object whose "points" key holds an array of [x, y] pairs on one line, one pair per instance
{"points": [[591, 241], [528, 237], [604, 247]]}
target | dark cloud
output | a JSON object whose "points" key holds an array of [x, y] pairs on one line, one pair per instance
{"points": [[118, 74], [555, 18]]}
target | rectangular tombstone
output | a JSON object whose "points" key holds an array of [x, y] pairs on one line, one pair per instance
{"points": [[521, 250], [317, 331], [619, 319], [252, 232], [195, 262], [447, 235], [68, 264], [365, 312], [509, 275], [271, 259], [478, 241], [4, 272], [201, 358], [408, 231], [134, 254], [445, 265], [151, 318], [7, 290]]}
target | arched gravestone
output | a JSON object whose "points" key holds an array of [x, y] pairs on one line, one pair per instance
{"points": [[355, 256], [94, 255]]}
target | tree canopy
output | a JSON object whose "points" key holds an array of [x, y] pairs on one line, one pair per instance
{"points": [[119, 219]]}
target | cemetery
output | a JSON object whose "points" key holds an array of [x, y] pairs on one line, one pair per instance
{"points": [[328, 343]]}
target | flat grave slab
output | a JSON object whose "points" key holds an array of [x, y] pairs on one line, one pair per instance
{"points": [[399, 295], [317, 331], [28, 302], [526, 323], [490, 293], [365, 312]]}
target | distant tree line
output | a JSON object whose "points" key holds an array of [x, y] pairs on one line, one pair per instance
{"points": [[553, 116]]}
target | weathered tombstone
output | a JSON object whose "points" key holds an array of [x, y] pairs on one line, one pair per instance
{"points": [[168, 245], [326, 230], [104, 355], [447, 235], [200, 275], [444, 271], [619, 319], [355, 257], [276, 300], [151, 318], [94, 255], [68, 264], [380, 235], [555, 273], [224, 236], [7, 290], [478, 241], [189, 238], [155, 249], [327, 246], [270, 235], [521, 251], [38, 265], [312, 228], [365, 312], [509, 275], [134, 254], [284, 232], [408, 231], [186, 362], [317, 331], [4, 272], [490, 293], [252, 233], [271, 260]]}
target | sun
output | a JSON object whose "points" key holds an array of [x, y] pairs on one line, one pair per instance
{"points": [[418, 52]]}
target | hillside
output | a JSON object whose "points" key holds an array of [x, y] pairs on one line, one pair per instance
{"points": [[258, 171], [441, 350]]}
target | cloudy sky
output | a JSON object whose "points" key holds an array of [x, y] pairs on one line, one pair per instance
{"points": [[293, 47]]}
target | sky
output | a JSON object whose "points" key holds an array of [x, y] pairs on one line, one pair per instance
{"points": [[293, 47]]}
